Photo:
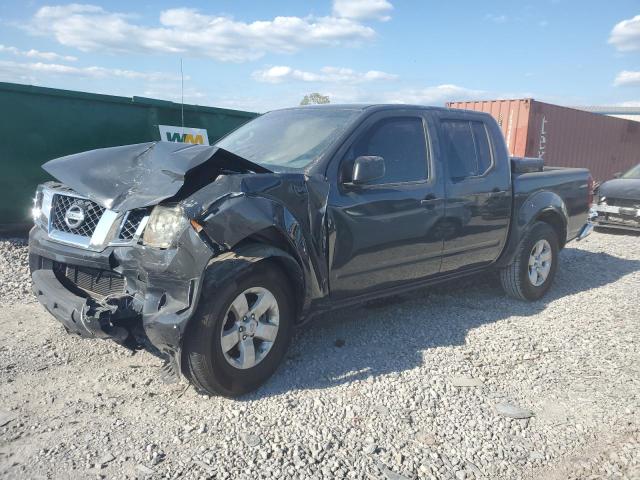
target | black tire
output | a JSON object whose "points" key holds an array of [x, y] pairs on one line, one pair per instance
{"points": [[515, 276], [204, 363]]}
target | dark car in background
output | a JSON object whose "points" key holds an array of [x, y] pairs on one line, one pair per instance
{"points": [[618, 204]]}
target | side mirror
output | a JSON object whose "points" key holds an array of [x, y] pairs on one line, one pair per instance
{"points": [[617, 175], [367, 169]]}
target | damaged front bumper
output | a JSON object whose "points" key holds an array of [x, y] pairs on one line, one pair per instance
{"points": [[81, 315], [109, 294], [612, 216]]}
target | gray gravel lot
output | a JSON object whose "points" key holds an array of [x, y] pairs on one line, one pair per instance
{"points": [[424, 386], [15, 284]]}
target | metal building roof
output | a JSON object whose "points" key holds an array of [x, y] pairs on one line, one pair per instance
{"points": [[610, 110]]}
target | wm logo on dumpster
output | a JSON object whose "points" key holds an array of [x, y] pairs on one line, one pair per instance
{"points": [[184, 138], [170, 133]]}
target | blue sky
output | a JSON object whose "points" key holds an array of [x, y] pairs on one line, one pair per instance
{"points": [[261, 55]]}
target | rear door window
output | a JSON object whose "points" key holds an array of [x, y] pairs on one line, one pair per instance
{"points": [[467, 148]]}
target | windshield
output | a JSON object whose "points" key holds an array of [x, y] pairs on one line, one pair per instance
{"points": [[288, 138], [633, 173]]}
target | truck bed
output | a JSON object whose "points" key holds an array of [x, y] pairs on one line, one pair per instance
{"points": [[571, 185]]}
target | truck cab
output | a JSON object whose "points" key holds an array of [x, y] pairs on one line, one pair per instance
{"points": [[423, 216]]}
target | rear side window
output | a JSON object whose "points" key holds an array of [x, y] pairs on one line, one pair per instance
{"points": [[401, 142], [467, 148]]}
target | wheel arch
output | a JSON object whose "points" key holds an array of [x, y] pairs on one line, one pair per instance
{"points": [[220, 275], [557, 222], [246, 219], [544, 206], [227, 266]]}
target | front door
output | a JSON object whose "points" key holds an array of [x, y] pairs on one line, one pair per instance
{"points": [[382, 234]]}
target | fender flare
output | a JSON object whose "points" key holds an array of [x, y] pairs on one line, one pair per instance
{"points": [[223, 268], [541, 206]]}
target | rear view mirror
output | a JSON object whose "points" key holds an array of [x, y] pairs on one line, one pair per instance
{"points": [[617, 175], [367, 169]]}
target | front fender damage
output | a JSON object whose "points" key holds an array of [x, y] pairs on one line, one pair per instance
{"points": [[234, 211], [235, 201], [167, 286], [237, 208]]}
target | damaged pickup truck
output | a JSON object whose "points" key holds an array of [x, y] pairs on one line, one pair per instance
{"points": [[218, 252]]}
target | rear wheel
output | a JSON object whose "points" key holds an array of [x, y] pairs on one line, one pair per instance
{"points": [[240, 333], [530, 275]]}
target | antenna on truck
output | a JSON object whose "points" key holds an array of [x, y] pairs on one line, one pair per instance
{"points": [[182, 96]]}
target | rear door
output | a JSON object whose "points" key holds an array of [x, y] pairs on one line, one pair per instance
{"points": [[381, 234], [478, 189]]}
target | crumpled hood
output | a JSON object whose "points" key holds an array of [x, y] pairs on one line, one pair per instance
{"points": [[627, 188], [129, 176]]}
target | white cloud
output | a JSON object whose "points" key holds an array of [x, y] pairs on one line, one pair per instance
{"points": [[629, 103], [626, 77], [32, 53], [435, 95], [363, 9], [280, 74], [171, 91], [625, 35], [20, 70], [261, 103], [496, 18], [187, 32], [356, 93]]}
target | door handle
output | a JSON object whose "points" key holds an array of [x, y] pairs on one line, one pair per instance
{"points": [[430, 201]]}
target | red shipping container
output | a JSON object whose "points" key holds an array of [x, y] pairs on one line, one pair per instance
{"points": [[564, 137]]}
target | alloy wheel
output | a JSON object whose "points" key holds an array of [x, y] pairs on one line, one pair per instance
{"points": [[540, 260], [250, 328]]}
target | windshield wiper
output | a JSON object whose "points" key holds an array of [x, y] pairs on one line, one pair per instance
{"points": [[230, 161]]}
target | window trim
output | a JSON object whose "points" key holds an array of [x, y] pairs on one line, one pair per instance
{"points": [[429, 160], [489, 143], [491, 166]]}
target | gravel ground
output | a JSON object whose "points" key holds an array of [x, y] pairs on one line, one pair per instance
{"points": [[15, 285], [424, 386]]}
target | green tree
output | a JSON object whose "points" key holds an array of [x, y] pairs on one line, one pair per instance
{"points": [[315, 99]]}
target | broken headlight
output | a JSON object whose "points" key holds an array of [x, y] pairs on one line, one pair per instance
{"points": [[42, 207], [164, 225]]}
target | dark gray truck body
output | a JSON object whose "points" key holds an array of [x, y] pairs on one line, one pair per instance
{"points": [[339, 243]]}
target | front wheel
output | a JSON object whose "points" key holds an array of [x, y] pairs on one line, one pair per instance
{"points": [[240, 333], [530, 275]]}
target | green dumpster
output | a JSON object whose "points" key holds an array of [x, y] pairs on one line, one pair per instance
{"points": [[39, 124]]}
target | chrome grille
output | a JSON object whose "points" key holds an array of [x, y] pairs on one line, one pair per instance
{"points": [[131, 224], [92, 213], [83, 223]]}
